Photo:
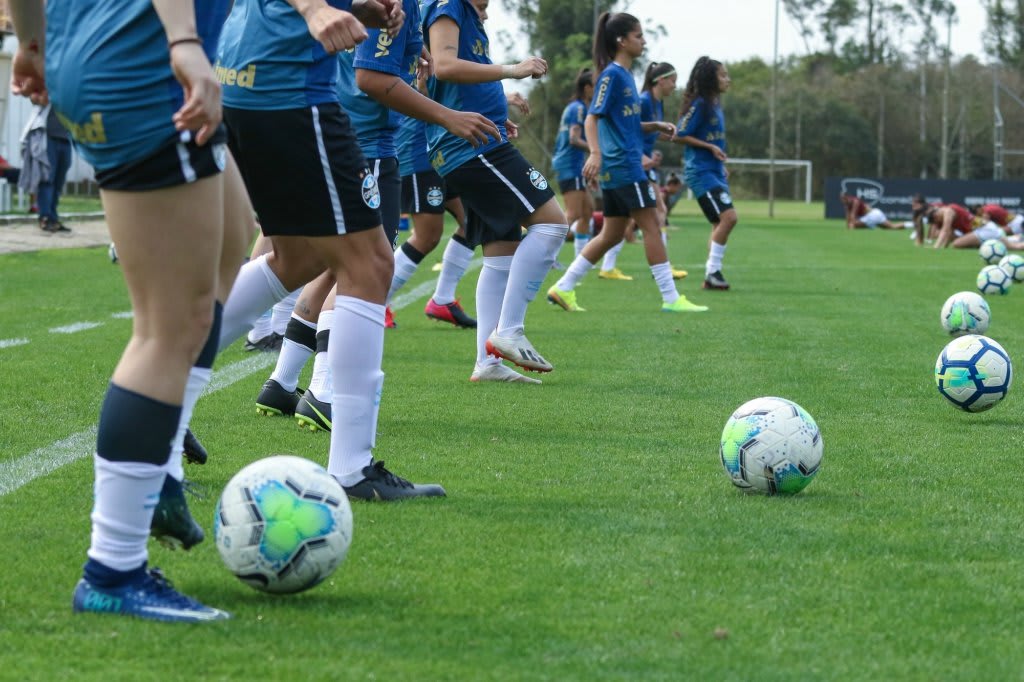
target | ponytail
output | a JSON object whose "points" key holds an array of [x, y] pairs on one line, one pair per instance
{"points": [[610, 30], [703, 83], [655, 72]]}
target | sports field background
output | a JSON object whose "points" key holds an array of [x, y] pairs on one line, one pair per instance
{"points": [[589, 532]]}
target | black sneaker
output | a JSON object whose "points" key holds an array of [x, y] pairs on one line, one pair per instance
{"points": [[270, 342], [194, 452], [313, 414], [172, 523], [274, 400], [716, 281], [380, 484]]}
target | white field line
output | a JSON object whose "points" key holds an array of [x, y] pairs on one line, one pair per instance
{"points": [[40, 462], [76, 327], [11, 343]]}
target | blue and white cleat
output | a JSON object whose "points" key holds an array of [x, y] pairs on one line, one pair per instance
{"points": [[151, 597]]}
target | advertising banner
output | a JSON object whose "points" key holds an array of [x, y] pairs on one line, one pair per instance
{"points": [[892, 195]]}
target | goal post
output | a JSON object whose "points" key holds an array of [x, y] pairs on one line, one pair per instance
{"points": [[781, 165]]}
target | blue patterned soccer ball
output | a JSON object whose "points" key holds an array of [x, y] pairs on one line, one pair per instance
{"points": [[1013, 265], [283, 524], [973, 372], [965, 312], [771, 446], [993, 280], [991, 250]]}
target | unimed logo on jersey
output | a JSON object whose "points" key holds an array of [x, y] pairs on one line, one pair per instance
{"points": [[866, 190]]}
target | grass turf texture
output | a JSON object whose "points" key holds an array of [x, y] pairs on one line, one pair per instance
{"points": [[590, 532]]}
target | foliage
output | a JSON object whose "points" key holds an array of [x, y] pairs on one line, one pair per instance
{"points": [[1005, 37]]}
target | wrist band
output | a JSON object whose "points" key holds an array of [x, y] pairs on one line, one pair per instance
{"points": [[179, 41]]}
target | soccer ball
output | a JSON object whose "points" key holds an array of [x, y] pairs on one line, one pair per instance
{"points": [[1013, 265], [973, 372], [993, 280], [991, 250], [771, 446], [112, 252], [965, 313], [283, 524]]}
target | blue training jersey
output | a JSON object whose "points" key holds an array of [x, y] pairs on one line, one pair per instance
{"points": [[269, 61], [375, 124], [447, 152], [704, 121], [621, 140], [567, 161], [412, 146], [109, 75], [650, 110]]}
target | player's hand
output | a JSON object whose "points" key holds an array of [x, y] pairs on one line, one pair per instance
{"points": [[28, 74], [425, 66], [719, 154], [201, 111], [511, 130], [666, 130], [519, 102], [592, 167], [335, 30], [386, 15], [472, 127], [531, 67]]}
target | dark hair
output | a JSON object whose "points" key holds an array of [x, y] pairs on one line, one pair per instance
{"points": [[584, 78], [655, 72], [610, 29], [673, 178], [703, 82]]}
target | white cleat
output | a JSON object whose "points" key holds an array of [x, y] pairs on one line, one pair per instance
{"points": [[500, 372], [517, 350]]}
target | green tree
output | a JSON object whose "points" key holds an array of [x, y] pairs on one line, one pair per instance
{"points": [[1004, 39]]}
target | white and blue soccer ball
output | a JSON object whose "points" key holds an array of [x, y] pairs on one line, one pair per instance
{"points": [[973, 372], [112, 252], [991, 250], [993, 280], [283, 524], [771, 446], [965, 312], [1013, 265]]}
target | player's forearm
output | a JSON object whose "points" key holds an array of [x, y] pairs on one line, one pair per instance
{"points": [[576, 141], [590, 125], [448, 67], [178, 18], [394, 93], [29, 21]]}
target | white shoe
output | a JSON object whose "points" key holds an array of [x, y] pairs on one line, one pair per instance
{"points": [[500, 372], [517, 350]]}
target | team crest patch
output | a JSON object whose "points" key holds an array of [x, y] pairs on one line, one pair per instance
{"points": [[435, 196], [371, 193], [726, 199], [650, 193], [538, 180], [220, 156]]}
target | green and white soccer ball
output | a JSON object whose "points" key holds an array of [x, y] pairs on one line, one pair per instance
{"points": [[771, 446], [283, 524], [973, 372], [965, 312], [1013, 265], [991, 250], [993, 280]]}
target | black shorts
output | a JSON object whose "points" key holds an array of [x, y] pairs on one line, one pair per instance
{"points": [[500, 190], [425, 192], [304, 170], [577, 184], [620, 202], [714, 203], [175, 163], [390, 184]]}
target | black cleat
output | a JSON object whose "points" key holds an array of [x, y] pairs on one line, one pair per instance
{"points": [[271, 342], [380, 484], [313, 414], [274, 400], [194, 452], [716, 281], [172, 523]]}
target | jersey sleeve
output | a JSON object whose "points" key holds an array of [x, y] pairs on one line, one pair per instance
{"points": [[450, 9], [646, 108], [381, 52], [604, 94], [692, 120]]}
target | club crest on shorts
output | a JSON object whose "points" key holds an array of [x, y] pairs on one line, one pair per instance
{"points": [[726, 199], [435, 196], [220, 156], [371, 192], [650, 193], [538, 180]]}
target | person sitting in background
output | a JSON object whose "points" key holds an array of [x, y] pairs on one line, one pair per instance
{"points": [[991, 221], [859, 214], [672, 192], [948, 222]]}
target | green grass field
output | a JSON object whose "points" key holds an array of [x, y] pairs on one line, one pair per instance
{"points": [[590, 531]]}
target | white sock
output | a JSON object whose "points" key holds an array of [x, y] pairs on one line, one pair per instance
{"points": [[125, 494], [530, 265], [454, 263], [576, 271], [356, 351], [490, 292], [198, 380], [291, 360], [282, 312], [256, 290], [580, 241], [262, 327], [611, 256], [666, 285], [715, 256], [320, 385], [405, 268]]}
